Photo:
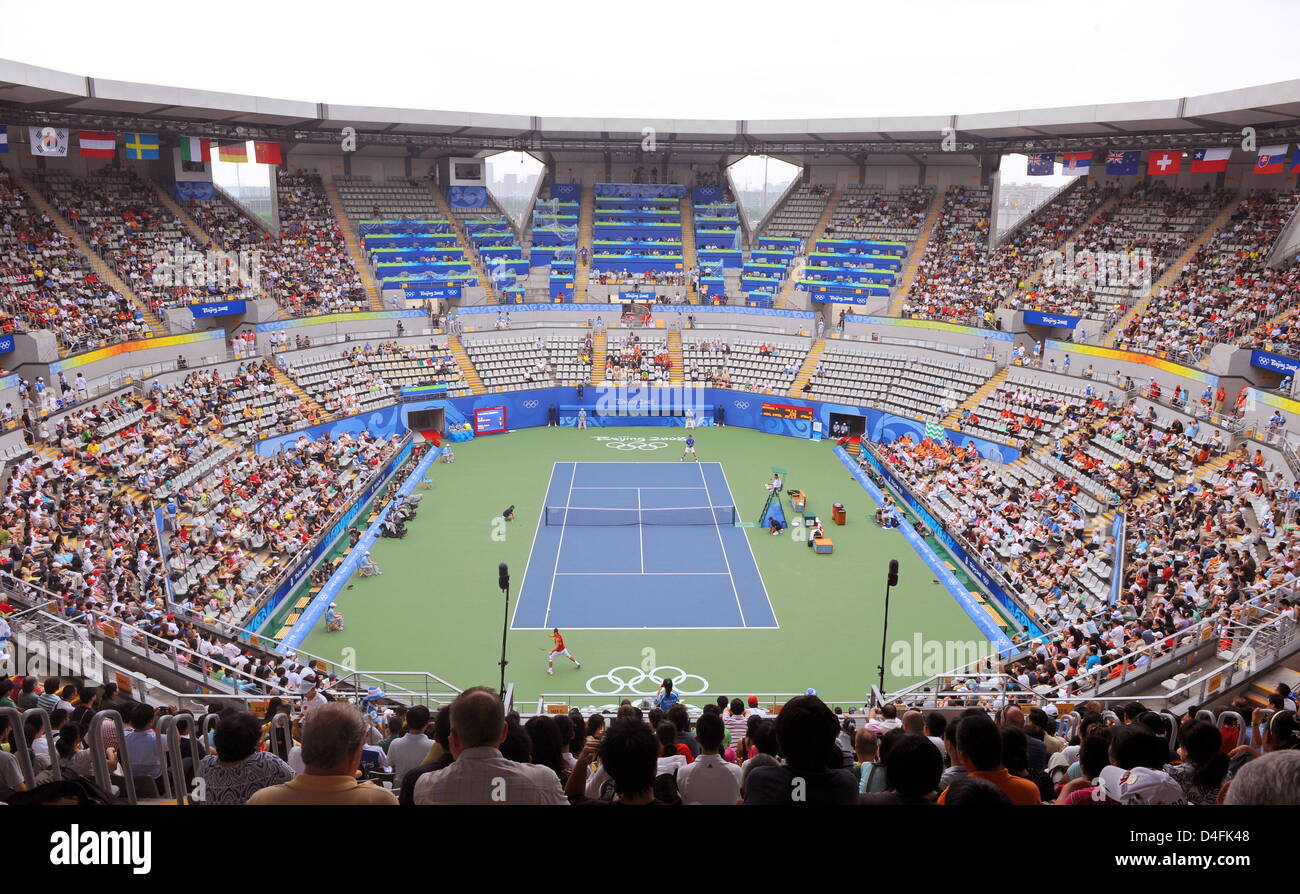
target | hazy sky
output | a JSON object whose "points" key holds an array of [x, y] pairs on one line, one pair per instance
{"points": [[756, 59]]}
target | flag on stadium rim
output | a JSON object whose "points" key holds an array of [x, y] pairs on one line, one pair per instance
{"points": [[235, 151], [935, 431], [140, 146], [1123, 162], [196, 149], [1210, 161], [51, 142], [4, 139], [266, 153], [1076, 163], [1042, 164], [1271, 159], [1294, 165], [1164, 161], [97, 143]]}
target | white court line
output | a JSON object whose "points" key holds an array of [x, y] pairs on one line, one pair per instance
{"points": [[560, 546], [572, 627], [723, 546], [531, 549], [640, 529], [637, 573], [626, 487], [731, 498]]}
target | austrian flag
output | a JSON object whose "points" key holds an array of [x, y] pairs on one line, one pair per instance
{"points": [[97, 144], [1168, 161]]}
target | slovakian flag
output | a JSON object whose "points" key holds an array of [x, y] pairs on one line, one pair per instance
{"points": [[1076, 163], [1292, 167], [1271, 159], [1166, 161], [1042, 164], [266, 153], [1210, 161], [196, 149], [236, 151], [1124, 162], [97, 143], [4, 139]]}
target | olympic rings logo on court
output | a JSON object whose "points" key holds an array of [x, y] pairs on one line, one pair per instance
{"points": [[629, 680], [627, 445], [741, 404], [531, 404]]}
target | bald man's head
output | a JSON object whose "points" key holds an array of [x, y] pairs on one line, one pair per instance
{"points": [[914, 722], [1014, 717], [478, 718]]}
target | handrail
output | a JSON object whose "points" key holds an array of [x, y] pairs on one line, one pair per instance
{"points": [[170, 756], [48, 733], [18, 738], [103, 777]]}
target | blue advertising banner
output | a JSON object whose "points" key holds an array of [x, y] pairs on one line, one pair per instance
{"points": [[1287, 366], [1051, 321], [707, 195], [218, 309], [568, 192], [193, 191], [419, 294], [311, 615], [467, 196], [937, 566], [6, 344], [973, 568], [290, 583], [1118, 528]]}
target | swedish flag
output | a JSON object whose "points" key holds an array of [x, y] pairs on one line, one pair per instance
{"points": [[141, 146]]}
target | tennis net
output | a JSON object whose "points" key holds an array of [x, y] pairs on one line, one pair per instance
{"points": [[584, 516]]}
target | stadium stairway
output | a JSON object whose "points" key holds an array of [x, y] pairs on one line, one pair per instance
{"points": [[466, 365], [1170, 275], [101, 267], [974, 400], [1091, 219], [689, 258], [806, 370], [783, 297], [467, 245], [374, 300], [201, 235], [281, 378], [598, 355], [676, 375], [1288, 672], [918, 252], [586, 221]]}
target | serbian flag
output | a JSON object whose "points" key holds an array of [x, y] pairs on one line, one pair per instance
{"points": [[266, 153], [1271, 159], [1042, 164], [1210, 161], [1076, 163], [196, 149], [97, 143], [236, 152], [1167, 161]]}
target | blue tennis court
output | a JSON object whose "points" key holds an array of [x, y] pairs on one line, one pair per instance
{"points": [[640, 545]]}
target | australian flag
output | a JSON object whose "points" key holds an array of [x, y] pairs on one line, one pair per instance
{"points": [[1042, 164], [1123, 162]]}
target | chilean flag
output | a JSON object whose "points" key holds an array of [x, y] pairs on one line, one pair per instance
{"points": [[1169, 161], [1271, 159], [97, 144], [1210, 161], [1076, 162]]}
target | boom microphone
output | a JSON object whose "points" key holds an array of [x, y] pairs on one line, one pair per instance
{"points": [[503, 576], [893, 572]]}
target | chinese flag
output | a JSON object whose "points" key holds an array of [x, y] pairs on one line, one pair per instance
{"points": [[1166, 162], [267, 153]]}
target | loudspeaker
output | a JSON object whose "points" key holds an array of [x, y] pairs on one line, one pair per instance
{"points": [[503, 576], [893, 572]]}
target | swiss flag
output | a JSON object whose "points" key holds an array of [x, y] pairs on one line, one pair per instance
{"points": [[1169, 161]]}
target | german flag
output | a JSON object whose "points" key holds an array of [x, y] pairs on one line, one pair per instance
{"points": [[236, 152]]}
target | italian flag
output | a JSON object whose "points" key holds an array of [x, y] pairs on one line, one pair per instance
{"points": [[196, 149]]}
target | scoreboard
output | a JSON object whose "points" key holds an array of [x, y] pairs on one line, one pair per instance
{"points": [[786, 411], [489, 420]]}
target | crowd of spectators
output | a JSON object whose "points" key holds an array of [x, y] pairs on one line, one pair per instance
{"points": [[633, 359]]}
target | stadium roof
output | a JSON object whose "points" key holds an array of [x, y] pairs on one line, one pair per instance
{"points": [[40, 96]]}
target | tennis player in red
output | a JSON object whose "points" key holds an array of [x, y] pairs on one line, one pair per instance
{"points": [[558, 648]]}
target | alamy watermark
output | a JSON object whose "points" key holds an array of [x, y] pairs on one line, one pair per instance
{"points": [[181, 267], [1090, 269]]}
